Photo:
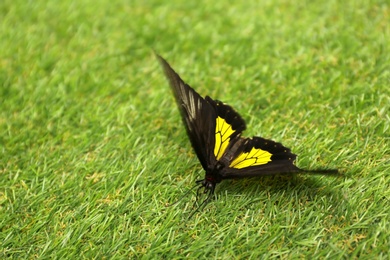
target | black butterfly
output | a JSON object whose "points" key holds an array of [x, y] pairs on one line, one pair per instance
{"points": [[214, 129]]}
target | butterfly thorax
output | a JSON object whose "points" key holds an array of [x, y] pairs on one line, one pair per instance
{"points": [[213, 174]]}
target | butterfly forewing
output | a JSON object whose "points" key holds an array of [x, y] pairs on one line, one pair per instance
{"points": [[211, 125], [197, 114], [228, 126]]}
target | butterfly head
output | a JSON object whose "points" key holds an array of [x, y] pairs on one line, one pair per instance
{"points": [[208, 184], [206, 188]]}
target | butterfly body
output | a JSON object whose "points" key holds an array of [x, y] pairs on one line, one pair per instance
{"points": [[214, 130]]}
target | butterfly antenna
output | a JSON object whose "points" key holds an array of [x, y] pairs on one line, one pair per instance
{"points": [[183, 196], [204, 202]]}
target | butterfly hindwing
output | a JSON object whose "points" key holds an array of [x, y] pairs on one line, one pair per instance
{"points": [[258, 156]]}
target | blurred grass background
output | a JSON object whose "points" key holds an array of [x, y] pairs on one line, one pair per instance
{"points": [[93, 149]]}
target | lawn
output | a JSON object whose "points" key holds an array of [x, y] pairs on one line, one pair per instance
{"points": [[93, 151]]}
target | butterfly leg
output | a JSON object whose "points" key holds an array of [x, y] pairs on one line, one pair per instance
{"points": [[183, 196], [209, 190], [198, 194]]}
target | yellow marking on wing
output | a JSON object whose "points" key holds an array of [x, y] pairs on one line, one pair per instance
{"points": [[223, 131], [254, 157]]}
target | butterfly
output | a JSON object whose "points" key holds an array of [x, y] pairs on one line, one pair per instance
{"points": [[214, 130]]}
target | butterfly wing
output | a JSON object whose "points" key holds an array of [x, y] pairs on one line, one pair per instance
{"points": [[211, 125], [215, 130], [198, 116], [228, 127], [246, 157], [257, 156]]}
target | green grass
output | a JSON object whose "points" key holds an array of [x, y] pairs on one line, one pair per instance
{"points": [[93, 149]]}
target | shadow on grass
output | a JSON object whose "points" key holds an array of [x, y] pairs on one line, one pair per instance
{"points": [[314, 184]]}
